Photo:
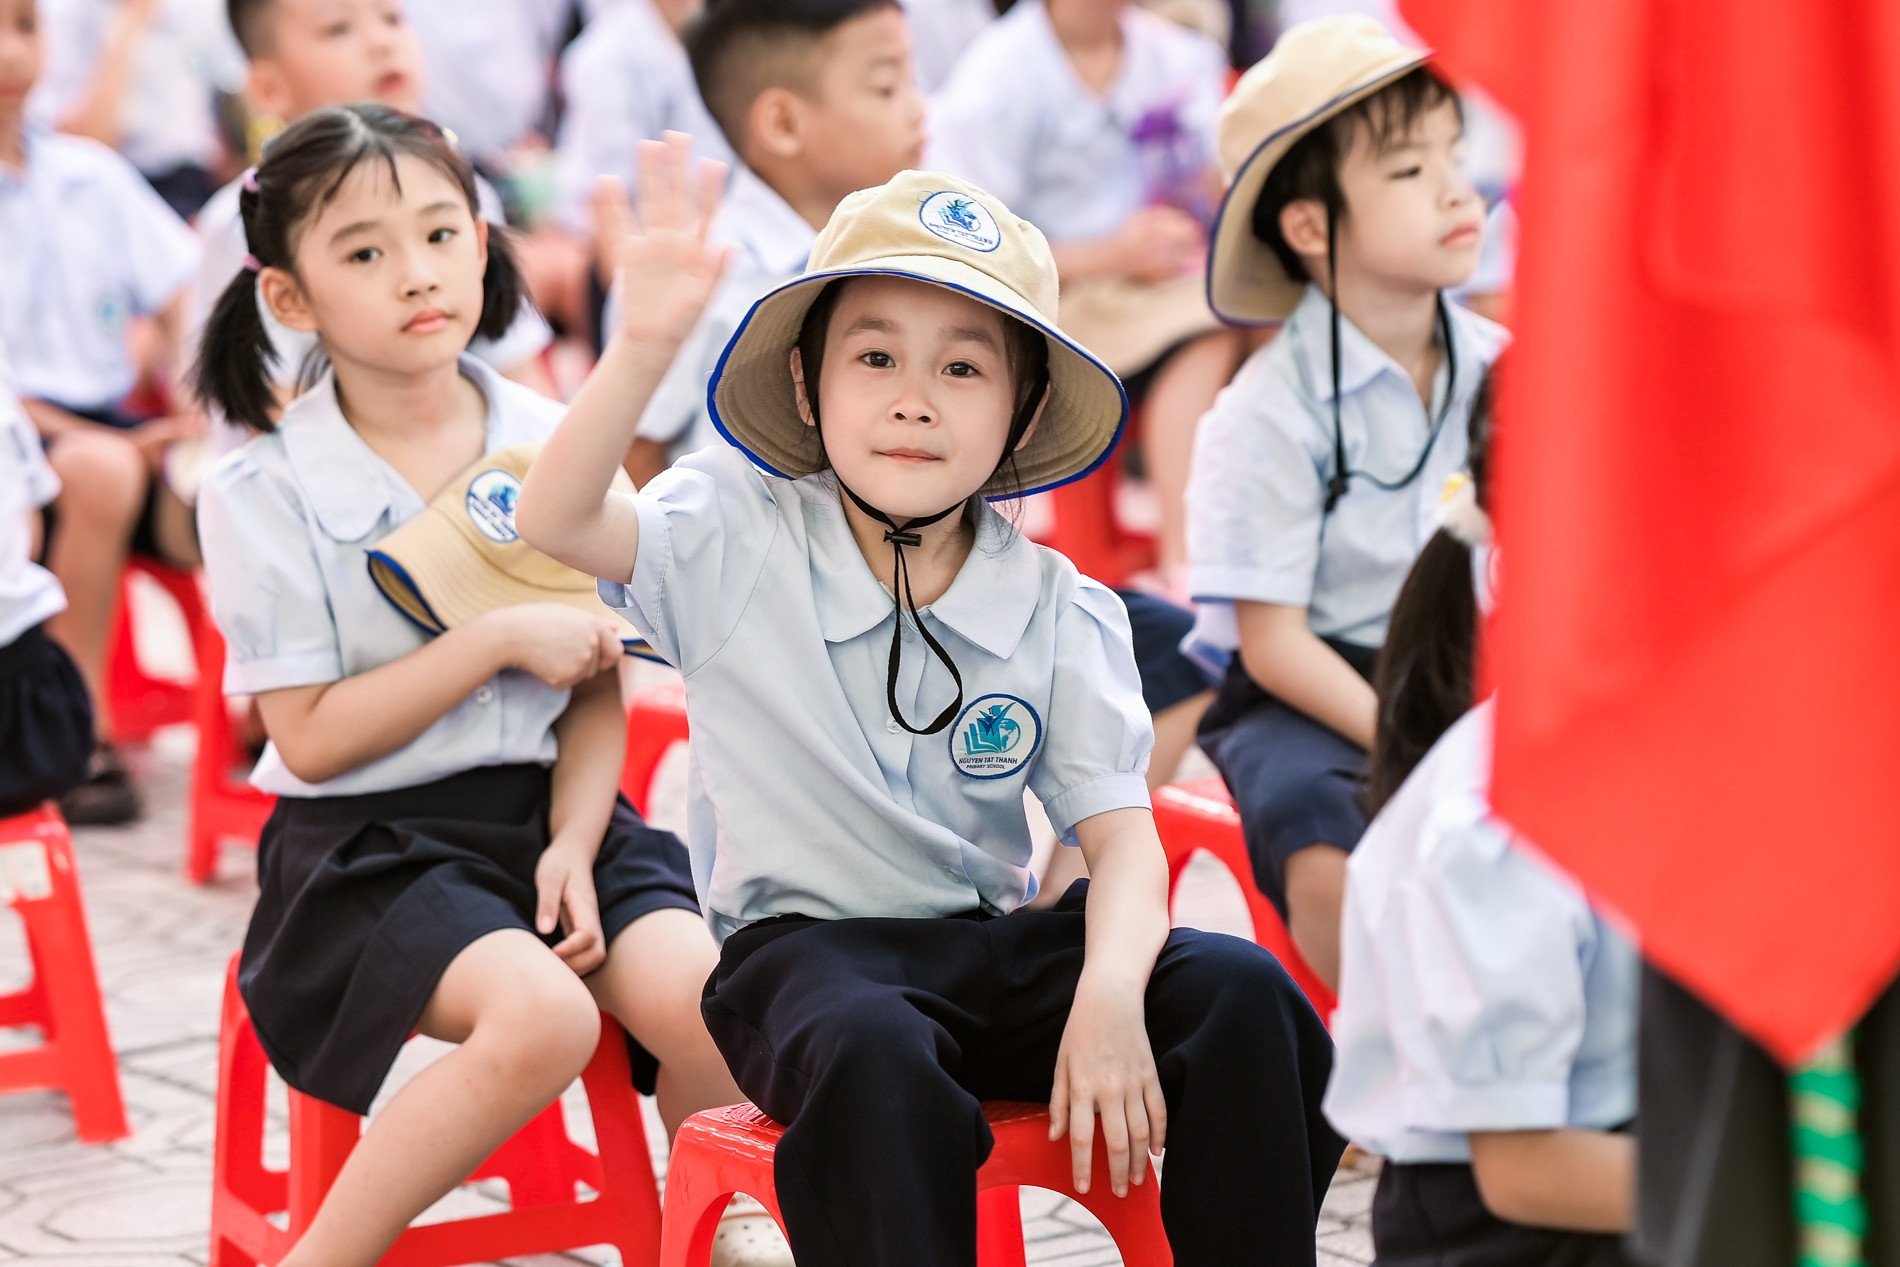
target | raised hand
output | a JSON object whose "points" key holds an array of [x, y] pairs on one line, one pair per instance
{"points": [[665, 265]]}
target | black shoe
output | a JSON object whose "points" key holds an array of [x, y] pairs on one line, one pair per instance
{"points": [[107, 797]]}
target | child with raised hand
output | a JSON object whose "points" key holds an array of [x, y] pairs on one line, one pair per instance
{"points": [[448, 854], [1348, 216], [1487, 1014], [877, 665], [304, 56]]}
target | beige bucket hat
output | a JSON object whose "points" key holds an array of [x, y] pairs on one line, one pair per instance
{"points": [[1315, 71], [933, 228], [462, 556]]}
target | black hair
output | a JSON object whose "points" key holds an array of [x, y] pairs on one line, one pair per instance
{"points": [[1025, 351], [251, 22], [740, 48], [1310, 168], [301, 172], [1428, 666]]}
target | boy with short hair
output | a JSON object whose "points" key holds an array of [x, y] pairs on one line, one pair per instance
{"points": [[89, 248], [305, 55], [1316, 475], [818, 99]]}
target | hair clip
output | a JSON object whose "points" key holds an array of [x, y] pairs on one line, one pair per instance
{"points": [[455, 142], [252, 263], [249, 180]]}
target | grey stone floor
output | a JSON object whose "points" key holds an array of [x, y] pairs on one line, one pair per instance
{"points": [[162, 946]]}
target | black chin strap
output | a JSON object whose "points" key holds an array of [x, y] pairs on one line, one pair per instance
{"points": [[901, 535]]}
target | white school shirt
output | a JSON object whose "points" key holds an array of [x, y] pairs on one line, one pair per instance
{"points": [[626, 80], [1264, 453], [940, 31], [85, 246], [774, 243], [286, 523], [169, 115], [489, 68], [1016, 119], [29, 594], [1478, 990], [221, 228], [806, 797]]}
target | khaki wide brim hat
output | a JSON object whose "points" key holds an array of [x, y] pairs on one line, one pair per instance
{"points": [[462, 557], [1131, 324], [933, 228], [1317, 70]]}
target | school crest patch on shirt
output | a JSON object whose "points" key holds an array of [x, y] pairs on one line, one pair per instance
{"points": [[959, 218], [995, 736]]}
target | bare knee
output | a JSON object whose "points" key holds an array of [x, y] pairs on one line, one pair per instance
{"points": [[540, 1027], [103, 477]]}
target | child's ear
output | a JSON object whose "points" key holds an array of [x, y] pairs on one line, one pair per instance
{"points": [[798, 389], [481, 238], [774, 124], [266, 90], [284, 299], [1303, 225]]}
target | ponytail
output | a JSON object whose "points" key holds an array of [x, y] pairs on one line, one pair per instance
{"points": [[237, 361], [1425, 672], [503, 290]]}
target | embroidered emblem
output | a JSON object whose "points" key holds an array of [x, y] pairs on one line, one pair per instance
{"points": [[995, 737], [957, 218], [491, 505]]}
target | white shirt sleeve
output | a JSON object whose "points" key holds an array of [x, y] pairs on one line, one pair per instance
{"points": [[1098, 735], [267, 591], [1256, 500], [706, 525], [1484, 980]]}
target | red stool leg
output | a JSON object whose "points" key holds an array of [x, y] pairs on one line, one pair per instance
{"points": [[1024, 1154], [715, 1154], [999, 1228]]}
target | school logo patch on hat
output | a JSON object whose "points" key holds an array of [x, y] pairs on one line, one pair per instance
{"points": [[995, 736], [491, 505], [957, 217]]}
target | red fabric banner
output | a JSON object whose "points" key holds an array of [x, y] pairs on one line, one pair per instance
{"points": [[1699, 482]]}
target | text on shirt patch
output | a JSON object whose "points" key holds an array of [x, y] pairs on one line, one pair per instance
{"points": [[491, 505], [958, 218], [995, 736]]}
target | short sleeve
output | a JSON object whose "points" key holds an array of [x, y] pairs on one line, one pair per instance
{"points": [[1485, 979], [706, 526], [1098, 734], [20, 447], [1256, 501], [267, 592], [159, 249]]}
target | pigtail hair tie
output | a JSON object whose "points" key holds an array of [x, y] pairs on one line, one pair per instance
{"points": [[248, 181], [252, 263]]}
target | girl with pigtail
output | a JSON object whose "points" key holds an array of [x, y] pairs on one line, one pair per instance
{"points": [[449, 854], [1486, 1027]]}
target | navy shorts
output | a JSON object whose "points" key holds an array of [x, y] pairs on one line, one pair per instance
{"points": [[1167, 676], [365, 900], [1433, 1216], [45, 723], [1295, 781]]}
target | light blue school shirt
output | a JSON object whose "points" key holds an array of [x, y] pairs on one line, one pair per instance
{"points": [[85, 246], [286, 523], [29, 594], [1257, 527], [1478, 989], [805, 796]]}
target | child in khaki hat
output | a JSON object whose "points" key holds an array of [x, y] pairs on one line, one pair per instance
{"points": [[1316, 475], [877, 667]]}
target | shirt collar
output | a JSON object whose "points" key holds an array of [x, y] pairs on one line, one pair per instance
{"points": [[765, 225], [1476, 340], [989, 604], [343, 479]]}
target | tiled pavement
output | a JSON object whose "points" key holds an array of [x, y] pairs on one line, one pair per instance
{"points": [[162, 945]]}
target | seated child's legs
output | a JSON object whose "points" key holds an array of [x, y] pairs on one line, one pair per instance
{"points": [[653, 978], [1315, 879], [103, 484], [876, 1040], [525, 1026]]}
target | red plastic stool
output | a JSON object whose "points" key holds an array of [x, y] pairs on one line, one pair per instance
{"points": [[222, 804], [541, 1164], [656, 720], [723, 1151], [140, 702], [1199, 817], [1086, 529], [37, 879]]}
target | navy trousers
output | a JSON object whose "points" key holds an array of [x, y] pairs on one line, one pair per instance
{"points": [[874, 1041]]}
